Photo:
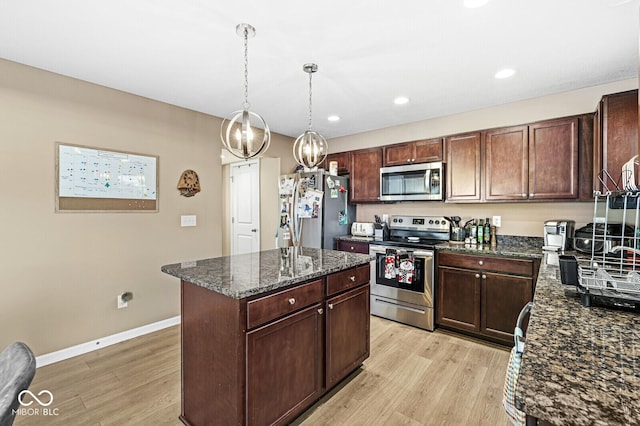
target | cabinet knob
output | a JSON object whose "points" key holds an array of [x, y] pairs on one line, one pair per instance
{"points": [[254, 230], [408, 160], [330, 305], [352, 249], [292, 301], [352, 278], [320, 311], [484, 277], [481, 262], [477, 275]]}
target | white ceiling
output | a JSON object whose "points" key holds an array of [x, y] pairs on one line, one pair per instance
{"points": [[436, 52]]}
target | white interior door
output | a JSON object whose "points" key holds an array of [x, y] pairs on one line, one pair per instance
{"points": [[245, 207]]}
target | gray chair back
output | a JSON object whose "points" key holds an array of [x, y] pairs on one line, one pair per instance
{"points": [[17, 368]]}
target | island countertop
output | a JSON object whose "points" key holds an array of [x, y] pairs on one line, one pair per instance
{"points": [[580, 366], [245, 275]]}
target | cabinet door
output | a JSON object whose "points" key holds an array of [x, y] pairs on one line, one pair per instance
{"points": [[458, 299], [428, 150], [506, 164], [503, 297], [398, 155], [343, 161], [463, 167], [364, 170], [347, 340], [619, 133], [553, 159], [284, 367]]}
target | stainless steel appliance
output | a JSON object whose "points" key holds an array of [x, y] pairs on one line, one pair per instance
{"points": [[329, 218], [558, 235], [392, 297], [413, 182]]}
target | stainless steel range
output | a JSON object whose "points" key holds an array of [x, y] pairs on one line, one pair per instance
{"points": [[402, 274]]}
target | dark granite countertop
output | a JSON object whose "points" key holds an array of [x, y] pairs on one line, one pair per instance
{"points": [[580, 366], [511, 246], [250, 274], [354, 238]]}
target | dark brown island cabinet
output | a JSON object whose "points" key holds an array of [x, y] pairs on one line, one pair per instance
{"points": [[483, 295], [264, 359]]}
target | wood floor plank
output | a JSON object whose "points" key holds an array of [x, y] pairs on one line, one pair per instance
{"points": [[413, 377]]}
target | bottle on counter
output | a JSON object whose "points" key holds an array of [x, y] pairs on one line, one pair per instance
{"points": [[474, 231], [487, 231], [494, 239], [480, 232]]}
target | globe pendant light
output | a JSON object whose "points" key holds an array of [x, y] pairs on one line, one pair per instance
{"points": [[310, 149], [244, 133]]}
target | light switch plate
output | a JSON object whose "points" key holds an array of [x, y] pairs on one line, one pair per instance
{"points": [[188, 220], [497, 221]]}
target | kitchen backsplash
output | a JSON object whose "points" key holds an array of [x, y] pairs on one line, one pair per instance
{"points": [[525, 219]]}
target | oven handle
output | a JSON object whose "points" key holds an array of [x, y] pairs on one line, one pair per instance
{"points": [[377, 249]]}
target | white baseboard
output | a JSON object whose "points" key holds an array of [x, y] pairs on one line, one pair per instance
{"points": [[93, 345]]}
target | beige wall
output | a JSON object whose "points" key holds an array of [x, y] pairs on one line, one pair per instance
{"points": [[61, 272], [517, 218]]}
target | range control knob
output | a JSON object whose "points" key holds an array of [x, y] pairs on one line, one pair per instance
{"points": [[395, 220], [400, 220], [430, 221], [437, 222]]}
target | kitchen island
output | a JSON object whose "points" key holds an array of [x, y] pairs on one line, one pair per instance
{"points": [[265, 335]]}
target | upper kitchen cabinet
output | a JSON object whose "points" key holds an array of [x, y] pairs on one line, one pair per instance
{"points": [[506, 163], [342, 158], [463, 155], [422, 151], [364, 168], [534, 162], [615, 130], [553, 159]]}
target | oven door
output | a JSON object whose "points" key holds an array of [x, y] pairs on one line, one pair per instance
{"points": [[419, 291], [411, 305]]}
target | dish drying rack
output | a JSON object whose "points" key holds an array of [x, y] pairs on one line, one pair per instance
{"points": [[613, 273]]}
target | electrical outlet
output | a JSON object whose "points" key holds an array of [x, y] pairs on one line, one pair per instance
{"points": [[122, 303], [497, 221]]}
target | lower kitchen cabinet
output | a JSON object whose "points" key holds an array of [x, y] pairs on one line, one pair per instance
{"points": [[353, 246], [347, 333], [483, 295], [284, 363]]}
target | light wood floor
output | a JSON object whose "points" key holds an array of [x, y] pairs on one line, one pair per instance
{"points": [[413, 377]]}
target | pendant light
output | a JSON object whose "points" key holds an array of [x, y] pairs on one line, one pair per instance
{"points": [[244, 133], [310, 149]]}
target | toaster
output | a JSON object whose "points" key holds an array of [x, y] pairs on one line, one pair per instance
{"points": [[362, 229]]}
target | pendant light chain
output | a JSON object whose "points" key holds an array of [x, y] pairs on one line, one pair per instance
{"points": [[310, 110], [246, 104]]}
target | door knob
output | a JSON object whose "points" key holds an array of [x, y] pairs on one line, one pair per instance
{"points": [[254, 230]]}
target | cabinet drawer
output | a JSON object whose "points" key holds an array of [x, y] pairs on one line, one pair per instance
{"points": [[486, 263], [260, 311], [353, 246], [350, 278]]}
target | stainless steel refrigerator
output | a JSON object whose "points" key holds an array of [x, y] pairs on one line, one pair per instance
{"points": [[319, 203]]}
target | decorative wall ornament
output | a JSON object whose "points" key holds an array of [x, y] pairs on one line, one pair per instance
{"points": [[189, 183]]}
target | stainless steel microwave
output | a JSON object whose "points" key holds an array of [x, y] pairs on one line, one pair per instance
{"points": [[412, 182]]}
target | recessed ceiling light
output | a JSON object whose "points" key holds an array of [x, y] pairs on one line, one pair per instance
{"points": [[471, 4], [401, 100], [505, 73], [333, 118]]}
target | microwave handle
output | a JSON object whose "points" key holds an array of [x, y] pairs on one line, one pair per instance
{"points": [[427, 181]]}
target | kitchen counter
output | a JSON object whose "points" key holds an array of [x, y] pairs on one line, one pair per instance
{"points": [[580, 365], [250, 274], [527, 247]]}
